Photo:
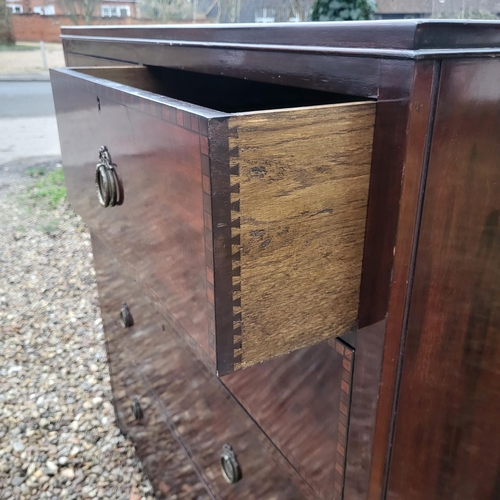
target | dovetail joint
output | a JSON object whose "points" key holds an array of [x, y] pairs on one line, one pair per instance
{"points": [[234, 171]]}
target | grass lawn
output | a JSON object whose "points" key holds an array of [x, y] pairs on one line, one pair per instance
{"points": [[48, 187], [15, 46]]}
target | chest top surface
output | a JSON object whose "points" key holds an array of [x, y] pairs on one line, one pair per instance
{"points": [[391, 39]]}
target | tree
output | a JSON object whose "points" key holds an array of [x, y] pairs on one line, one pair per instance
{"points": [[300, 9], [284, 10], [228, 11], [165, 10], [75, 9], [6, 35], [343, 10], [234, 11]]}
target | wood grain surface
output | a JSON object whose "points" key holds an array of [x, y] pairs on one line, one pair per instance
{"points": [[303, 173], [403, 120], [363, 409], [185, 407], [300, 193], [447, 435], [336, 57], [157, 146], [395, 34], [166, 463], [289, 397], [139, 77], [429, 298]]}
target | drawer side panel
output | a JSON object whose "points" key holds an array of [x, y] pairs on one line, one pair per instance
{"points": [[299, 191]]}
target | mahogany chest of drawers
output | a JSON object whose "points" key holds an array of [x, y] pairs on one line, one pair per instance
{"points": [[297, 245]]}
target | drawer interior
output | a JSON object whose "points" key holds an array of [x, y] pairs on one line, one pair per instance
{"points": [[221, 93]]}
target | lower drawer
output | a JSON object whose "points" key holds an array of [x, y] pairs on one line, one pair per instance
{"points": [[139, 417], [179, 396]]}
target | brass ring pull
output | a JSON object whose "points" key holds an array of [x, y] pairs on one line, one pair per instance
{"points": [[126, 316], [230, 468], [106, 181]]}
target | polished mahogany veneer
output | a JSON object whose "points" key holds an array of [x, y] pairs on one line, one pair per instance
{"points": [[452, 353], [214, 212], [187, 416], [404, 404]]}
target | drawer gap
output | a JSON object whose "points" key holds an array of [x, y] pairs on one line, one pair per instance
{"points": [[217, 92]]}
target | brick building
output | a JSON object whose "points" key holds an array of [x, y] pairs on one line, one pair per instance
{"points": [[106, 8]]}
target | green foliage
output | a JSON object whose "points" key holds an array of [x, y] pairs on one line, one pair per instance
{"points": [[343, 10], [35, 171], [16, 47], [49, 187], [41, 199]]}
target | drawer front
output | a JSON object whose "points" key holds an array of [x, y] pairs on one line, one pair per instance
{"points": [[302, 402], [245, 228], [139, 417], [155, 367], [157, 231]]}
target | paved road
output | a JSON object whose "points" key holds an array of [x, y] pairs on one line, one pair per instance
{"points": [[26, 99], [28, 125]]}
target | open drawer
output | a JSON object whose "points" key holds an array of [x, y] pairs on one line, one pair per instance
{"points": [[238, 206]]}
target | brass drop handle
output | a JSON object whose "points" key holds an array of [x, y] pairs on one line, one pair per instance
{"points": [[106, 180], [230, 468], [136, 409], [126, 316]]}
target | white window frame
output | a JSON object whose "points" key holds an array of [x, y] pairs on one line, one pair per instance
{"points": [[114, 10], [44, 10], [266, 17], [15, 8]]}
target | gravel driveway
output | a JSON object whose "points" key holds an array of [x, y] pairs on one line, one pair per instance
{"points": [[58, 438]]}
